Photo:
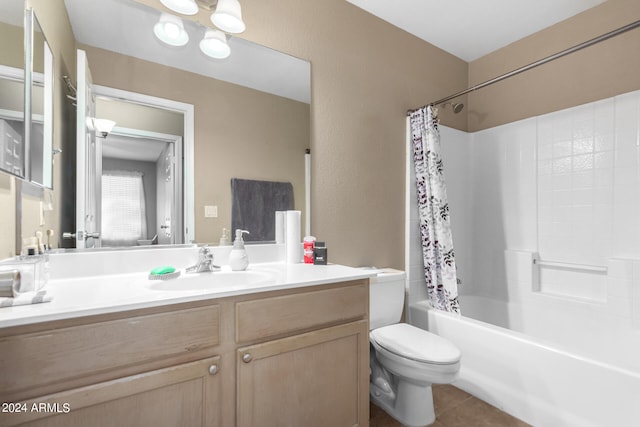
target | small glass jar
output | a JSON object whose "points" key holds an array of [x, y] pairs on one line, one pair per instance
{"points": [[33, 269]]}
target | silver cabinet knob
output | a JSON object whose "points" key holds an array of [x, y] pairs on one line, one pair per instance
{"points": [[247, 357], [213, 369]]}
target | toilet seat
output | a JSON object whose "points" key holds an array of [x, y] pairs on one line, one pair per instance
{"points": [[413, 343]]}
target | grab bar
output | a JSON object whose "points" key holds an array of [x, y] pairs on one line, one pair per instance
{"points": [[572, 266]]}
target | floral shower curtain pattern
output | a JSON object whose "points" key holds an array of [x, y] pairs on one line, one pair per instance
{"points": [[435, 228]]}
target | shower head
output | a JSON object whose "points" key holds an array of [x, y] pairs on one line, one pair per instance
{"points": [[456, 106]]}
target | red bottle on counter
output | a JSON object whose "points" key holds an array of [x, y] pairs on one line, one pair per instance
{"points": [[308, 245]]}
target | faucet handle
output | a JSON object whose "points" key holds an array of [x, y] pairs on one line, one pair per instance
{"points": [[205, 254]]}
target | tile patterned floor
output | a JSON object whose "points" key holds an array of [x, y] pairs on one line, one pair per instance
{"points": [[454, 408]]}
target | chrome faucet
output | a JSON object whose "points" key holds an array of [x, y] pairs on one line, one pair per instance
{"points": [[205, 262]]}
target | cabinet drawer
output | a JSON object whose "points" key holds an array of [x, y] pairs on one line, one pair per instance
{"points": [[59, 359], [287, 314]]}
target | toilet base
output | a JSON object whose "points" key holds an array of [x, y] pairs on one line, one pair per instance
{"points": [[408, 402], [413, 406]]}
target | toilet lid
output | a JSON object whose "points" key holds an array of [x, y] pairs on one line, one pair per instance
{"points": [[414, 343]]}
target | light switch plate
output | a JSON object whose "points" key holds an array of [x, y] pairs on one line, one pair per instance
{"points": [[211, 212]]}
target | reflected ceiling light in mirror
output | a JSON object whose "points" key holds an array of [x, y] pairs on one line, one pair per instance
{"points": [[214, 44], [228, 16], [103, 126], [170, 30], [185, 7]]}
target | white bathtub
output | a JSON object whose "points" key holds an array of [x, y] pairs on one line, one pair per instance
{"points": [[533, 380]]}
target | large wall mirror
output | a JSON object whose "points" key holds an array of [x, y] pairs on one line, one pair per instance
{"points": [[249, 119]]}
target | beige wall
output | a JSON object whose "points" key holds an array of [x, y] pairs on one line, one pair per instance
{"points": [[601, 71], [11, 45], [136, 116], [365, 75], [239, 132]]}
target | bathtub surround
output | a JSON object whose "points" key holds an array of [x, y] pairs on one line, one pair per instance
{"points": [[562, 187], [433, 208]]}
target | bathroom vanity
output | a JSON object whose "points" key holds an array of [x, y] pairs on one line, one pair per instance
{"points": [[297, 355]]}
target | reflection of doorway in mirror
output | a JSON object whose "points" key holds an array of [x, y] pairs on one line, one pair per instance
{"points": [[162, 129], [150, 156]]}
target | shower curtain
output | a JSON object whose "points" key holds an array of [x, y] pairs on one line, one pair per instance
{"points": [[435, 228]]}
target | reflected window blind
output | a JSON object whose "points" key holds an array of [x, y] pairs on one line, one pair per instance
{"points": [[123, 207]]}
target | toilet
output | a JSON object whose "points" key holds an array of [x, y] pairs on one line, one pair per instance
{"points": [[404, 360]]}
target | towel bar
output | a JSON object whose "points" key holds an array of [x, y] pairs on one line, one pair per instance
{"points": [[572, 266]]}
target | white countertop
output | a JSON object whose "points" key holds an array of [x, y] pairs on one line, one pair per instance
{"points": [[90, 295]]}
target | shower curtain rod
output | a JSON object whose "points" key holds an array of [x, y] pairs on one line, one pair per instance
{"points": [[535, 64]]}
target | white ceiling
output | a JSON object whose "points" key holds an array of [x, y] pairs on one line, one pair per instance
{"points": [[126, 27], [470, 29]]}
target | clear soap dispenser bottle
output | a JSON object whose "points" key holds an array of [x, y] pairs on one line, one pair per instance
{"points": [[238, 259]]}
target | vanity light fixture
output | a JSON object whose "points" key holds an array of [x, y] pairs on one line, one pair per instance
{"points": [[185, 7], [103, 126], [170, 30], [214, 44], [228, 16]]}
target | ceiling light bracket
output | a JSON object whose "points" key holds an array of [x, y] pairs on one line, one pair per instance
{"points": [[209, 5]]}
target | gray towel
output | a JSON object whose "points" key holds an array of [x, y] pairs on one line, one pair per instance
{"points": [[254, 205]]}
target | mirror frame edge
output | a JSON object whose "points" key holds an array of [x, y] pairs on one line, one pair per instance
{"points": [[30, 21]]}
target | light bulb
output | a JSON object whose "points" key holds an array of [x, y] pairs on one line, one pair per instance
{"points": [[170, 30], [228, 16], [214, 44]]}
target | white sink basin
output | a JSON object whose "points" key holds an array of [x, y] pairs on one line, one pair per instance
{"points": [[206, 281]]}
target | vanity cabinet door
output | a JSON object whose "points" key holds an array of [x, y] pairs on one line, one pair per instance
{"points": [[318, 378], [182, 395]]}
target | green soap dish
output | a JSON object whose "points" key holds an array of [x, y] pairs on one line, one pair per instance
{"points": [[164, 273]]}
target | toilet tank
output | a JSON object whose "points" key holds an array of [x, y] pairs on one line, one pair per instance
{"points": [[386, 297]]}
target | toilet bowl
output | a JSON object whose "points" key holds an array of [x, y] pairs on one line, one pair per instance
{"points": [[404, 360]]}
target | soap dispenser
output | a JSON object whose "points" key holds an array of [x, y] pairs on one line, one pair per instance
{"points": [[224, 239], [238, 259]]}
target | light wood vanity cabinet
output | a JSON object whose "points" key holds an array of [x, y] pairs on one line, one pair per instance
{"points": [[183, 395], [296, 357], [314, 378]]}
